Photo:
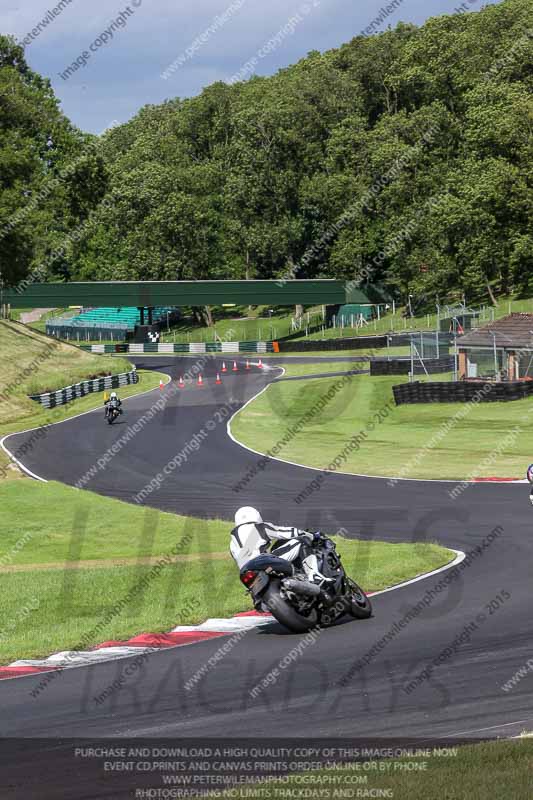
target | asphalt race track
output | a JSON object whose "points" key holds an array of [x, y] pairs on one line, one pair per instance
{"points": [[462, 698]]}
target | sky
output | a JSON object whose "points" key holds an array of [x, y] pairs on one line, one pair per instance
{"points": [[127, 53]]}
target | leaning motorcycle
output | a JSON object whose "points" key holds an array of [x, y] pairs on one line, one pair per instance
{"points": [[296, 602]]}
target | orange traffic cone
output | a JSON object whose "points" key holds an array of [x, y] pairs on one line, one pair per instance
{"points": [[224, 368], [161, 384], [218, 379], [247, 364], [234, 368], [200, 380], [260, 365], [181, 383]]}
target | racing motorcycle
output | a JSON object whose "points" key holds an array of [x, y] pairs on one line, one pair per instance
{"points": [[297, 603], [113, 411]]}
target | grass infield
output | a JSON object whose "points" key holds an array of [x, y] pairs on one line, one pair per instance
{"points": [[411, 441], [497, 770]]}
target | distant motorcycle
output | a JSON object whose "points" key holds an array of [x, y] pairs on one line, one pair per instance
{"points": [[529, 476], [297, 603], [112, 411]]}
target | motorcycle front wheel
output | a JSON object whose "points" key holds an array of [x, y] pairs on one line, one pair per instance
{"points": [[359, 605], [282, 610]]}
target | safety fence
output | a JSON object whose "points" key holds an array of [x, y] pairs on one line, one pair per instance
{"points": [[192, 347], [68, 393], [461, 391], [76, 334]]}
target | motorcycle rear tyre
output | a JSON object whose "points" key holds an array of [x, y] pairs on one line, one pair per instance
{"points": [[285, 613]]}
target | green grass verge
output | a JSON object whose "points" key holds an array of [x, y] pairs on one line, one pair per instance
{"points": [[318, 366], [481, 444], [296, 370], [56, 526], [494, 769], [40, 324], [233, 329], [32, 363]]}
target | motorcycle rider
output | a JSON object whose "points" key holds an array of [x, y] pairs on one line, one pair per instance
{"points": [[529, 476], [251, 537], [112, 402]]}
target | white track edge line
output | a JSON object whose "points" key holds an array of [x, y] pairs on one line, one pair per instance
{"points": [[60, 422], [460, 556], [352, 474]]}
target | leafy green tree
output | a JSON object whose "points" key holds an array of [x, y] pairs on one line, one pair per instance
{"points": [[402, 158], [47, 184]]}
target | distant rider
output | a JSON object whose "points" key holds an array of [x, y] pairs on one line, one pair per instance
{"points": [[529, 476], [251, 537], [113, 402]]}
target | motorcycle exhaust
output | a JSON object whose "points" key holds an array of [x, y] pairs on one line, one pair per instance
{"points": [[302, 587]]}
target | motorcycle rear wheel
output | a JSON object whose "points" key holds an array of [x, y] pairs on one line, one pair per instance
{"points": [[285, 613], [359, 605]]}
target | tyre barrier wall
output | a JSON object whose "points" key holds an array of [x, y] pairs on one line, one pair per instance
{"points": [[461, 392], [355, 343], [62, 396], [402, 366], [191, 347]]}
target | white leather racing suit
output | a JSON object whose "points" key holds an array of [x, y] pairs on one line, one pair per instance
{"points": [[250, 540]]}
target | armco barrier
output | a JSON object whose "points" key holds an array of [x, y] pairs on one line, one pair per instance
{"points": [[175, 347], [62, 396], [461, 392], [282, 345], [402, 366]]}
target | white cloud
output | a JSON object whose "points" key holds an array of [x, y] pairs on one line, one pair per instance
{"points": [[124, 73]]}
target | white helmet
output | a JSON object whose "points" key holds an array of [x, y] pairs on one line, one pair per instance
{"points": [[113, 396], [247, 514]]}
